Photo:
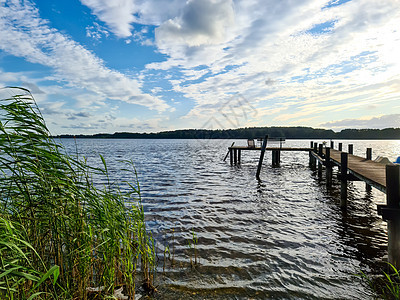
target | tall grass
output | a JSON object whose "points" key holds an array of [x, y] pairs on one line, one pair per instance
{"points": [[61, 235], [386, 286]]}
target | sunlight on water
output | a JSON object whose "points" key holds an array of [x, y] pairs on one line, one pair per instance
{"points": [[282, 238]]}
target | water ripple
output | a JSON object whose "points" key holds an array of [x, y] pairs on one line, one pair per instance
{"points": [[282, 238]]}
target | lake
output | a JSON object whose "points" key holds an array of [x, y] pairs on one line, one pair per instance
{"points": [[282, 238]]}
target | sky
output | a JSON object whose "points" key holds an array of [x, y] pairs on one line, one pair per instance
{"points": [[104, 66]]}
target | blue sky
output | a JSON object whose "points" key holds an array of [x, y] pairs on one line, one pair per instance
{"points": [[153, 65]]}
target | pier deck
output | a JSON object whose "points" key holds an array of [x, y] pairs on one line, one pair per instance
{"points": [[244, 148], [371, 172]]}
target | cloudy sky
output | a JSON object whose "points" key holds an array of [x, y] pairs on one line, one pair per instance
{"points": [[154, 65]]}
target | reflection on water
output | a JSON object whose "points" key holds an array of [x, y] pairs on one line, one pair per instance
{"points": [[282, 238]]}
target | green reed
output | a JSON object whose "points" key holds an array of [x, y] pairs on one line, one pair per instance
{"points": [[59, 233], [386, 286], [192, 244]]}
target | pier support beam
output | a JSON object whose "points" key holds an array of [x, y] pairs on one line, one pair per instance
{"points": [[320, 163], [340, 146], [273, 154], [350, 148], [231, 155], [332, 145], [235, 156], [328, 167], [276, 158], [239, 156], [369, 153], [393, 200], [368, 188], [312, 160], [343, 179]]}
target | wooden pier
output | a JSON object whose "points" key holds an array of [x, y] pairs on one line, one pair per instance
{"points": [[235, 152], [384, 177], [373, 173]]}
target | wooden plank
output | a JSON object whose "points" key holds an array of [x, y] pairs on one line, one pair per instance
{"points": [[371, 172]]}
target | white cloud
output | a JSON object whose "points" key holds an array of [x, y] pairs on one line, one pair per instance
{"points": [[25, 35], [32, 87], [120, 15], [269, 51], [202, 22], [7, 77], [381, 122], [85, 100], [117, 14], [314, 74], [96, 31], [137, 125]]}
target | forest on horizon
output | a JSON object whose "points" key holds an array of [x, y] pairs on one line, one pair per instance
{"points": [[252, 133]]}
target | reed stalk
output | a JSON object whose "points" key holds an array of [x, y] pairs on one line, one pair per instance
{"points": [[386, 286], [60, 234]]}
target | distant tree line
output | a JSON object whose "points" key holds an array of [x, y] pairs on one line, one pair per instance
{"points": [[252, 133]]}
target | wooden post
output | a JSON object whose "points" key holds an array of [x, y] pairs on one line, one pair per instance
{"points": [[332, 145], [239, 156], [340, 148], [235, 156], [279, 157], [264, 145], [369, 153], [227, 153], [312, 161], [231, 155], [327, 155], [320, 163], [328, 167], [392, 201], [276, 158], [320, 147], [273, 158], [350, 148], [319, 169], [343, 185], [368, 188], [315, 151], [310, 157]]}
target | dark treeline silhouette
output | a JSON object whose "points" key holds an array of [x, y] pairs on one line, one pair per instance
{"points": [[252, 133]]}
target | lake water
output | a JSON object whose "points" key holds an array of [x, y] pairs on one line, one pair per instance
{"points": [[282, 238]]}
